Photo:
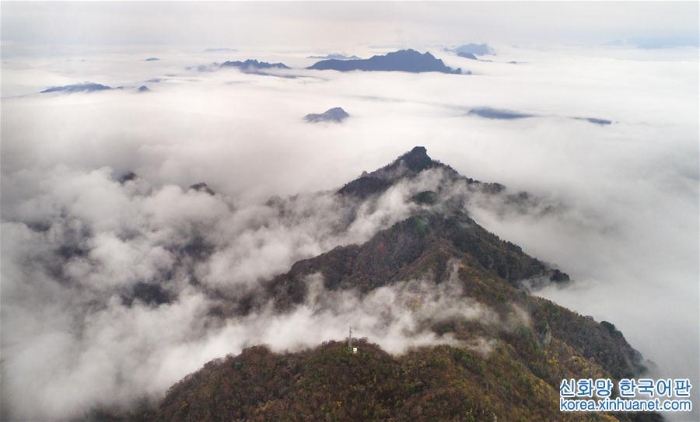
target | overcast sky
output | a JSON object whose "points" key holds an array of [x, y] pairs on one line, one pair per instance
{"points": [[343, 24]]}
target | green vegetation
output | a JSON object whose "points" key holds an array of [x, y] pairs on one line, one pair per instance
{"points": [[425, 198], [329, 383], [507, 366], [510, 369], [419, 245]]}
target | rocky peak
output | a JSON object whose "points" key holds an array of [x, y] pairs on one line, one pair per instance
{"points": [[417, 159], [407, 165]]}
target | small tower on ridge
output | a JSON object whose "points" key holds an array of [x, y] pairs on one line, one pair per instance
{"points": [[350, 347]]}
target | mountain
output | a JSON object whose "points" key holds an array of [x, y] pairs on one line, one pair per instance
{"points": [[500, 353], [335, 114], [83, 87], [329, 382], [475, 49], [253, 66], [407, 165], [595, 120], [501, 114], [398, 61], [492, 113], [468, 56], [335, 56]]}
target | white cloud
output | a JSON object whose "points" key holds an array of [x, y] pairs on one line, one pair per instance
{"points": [[624, 226]]}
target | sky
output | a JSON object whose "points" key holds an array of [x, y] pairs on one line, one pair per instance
{"points": [[301, 25], [616, 205]]}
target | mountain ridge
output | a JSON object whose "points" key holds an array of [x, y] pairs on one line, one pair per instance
{"points": [[407, 165], [252, 65], [497, 351], [402, 60]]}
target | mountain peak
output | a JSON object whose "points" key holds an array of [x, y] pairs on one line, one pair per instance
{"points": [[418, 150], [407, 165], [417, 159]]}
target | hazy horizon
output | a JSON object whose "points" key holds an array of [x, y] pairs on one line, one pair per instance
{"points": [[311, 25]]}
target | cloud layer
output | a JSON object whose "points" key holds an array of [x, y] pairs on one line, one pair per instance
{"points": [[614, 206]]}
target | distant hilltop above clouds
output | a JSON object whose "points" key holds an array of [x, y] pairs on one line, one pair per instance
{"points": [[474, 50], [253, 65], [398, 61], [335, 114], [335, 56]]}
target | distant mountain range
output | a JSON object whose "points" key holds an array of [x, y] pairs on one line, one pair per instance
{"points": [[398, 61], [493, 113], [474, 49], [401, 61], [504, 363], [82, 87], [470, 56], [395, 61], [253, 65], [595, 120], [501, 114], [86, 87], [335, 56]]}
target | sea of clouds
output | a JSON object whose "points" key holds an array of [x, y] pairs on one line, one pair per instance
{"points": [[616, 207]]}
